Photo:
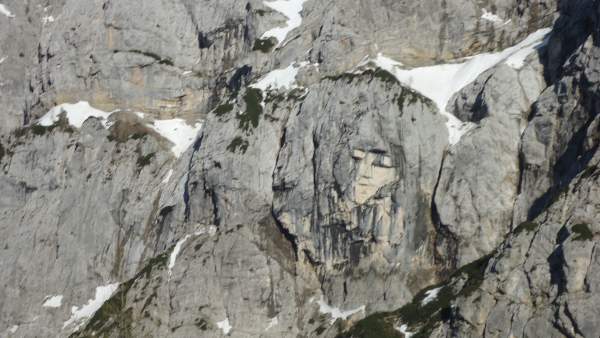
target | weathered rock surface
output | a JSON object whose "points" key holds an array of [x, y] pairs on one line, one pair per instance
{"points": [[303, 207], [540, 280]]}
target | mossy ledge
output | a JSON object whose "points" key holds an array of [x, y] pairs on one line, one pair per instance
{"points": [[418, 317], [223, 109], [525, 226], [38, 130], [582, 232], [264, 45], [251, 117], [114, 318], [408, 96], [238, 143]]}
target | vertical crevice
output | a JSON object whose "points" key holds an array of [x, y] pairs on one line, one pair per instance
{"points": [[186, 192]]}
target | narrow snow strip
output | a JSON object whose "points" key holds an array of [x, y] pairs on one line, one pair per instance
{"points": [[224, 326], [76, 114], [173, 257], [103, 293], [3, 59], [441, 82], [13, 328], [489, 16], [404, 330], [291, 9], [5, 11], [337, 313], [167, 177], [272, 323], [284, 78], [53, 301], [431, 295], [178, 132], [175, 252]]}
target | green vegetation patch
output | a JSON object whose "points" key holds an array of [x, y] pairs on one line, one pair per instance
{"points": [[385, 76], [590, 171], [526, 226], [583, 232], [238, 143], [114, 317], [161, 60], [380, 74], [223, 109], [407, 97], [410, 97], [346, 77], [422, 319], [253, 99], [62, 125], [201, 324], [145, 160], [264, 45]]}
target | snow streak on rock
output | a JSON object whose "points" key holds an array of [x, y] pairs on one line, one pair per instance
{"points": [[175, 252], [272, 323], [76, 114], [224, 326], [491, 17], [404, 330], [337, 313], [181, 134], [284, 78], [78, 315], [291, 9], [5, 11], [53, 301], [431, 295], [441, 82], [173, 257]]}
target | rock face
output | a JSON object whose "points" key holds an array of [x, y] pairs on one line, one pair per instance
{"points": [[322, 191], [539, 281]]}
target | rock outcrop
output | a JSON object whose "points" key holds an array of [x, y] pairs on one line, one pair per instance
{"points": [[539, 281]]}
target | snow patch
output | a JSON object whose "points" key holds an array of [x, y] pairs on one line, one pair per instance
{"points": [[441, 82], [404, 330], [76, 114], [103, 293], [175, 252], [167, 177], [53, 301], [3, 59], [431, 295], [181, 134], [491, 17], [13, 328], [173, 257], [5, 11], [289, 8], [280, 78], [47, 19], [177, 131], [224, 326], [272, 323], [336, 313]]}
